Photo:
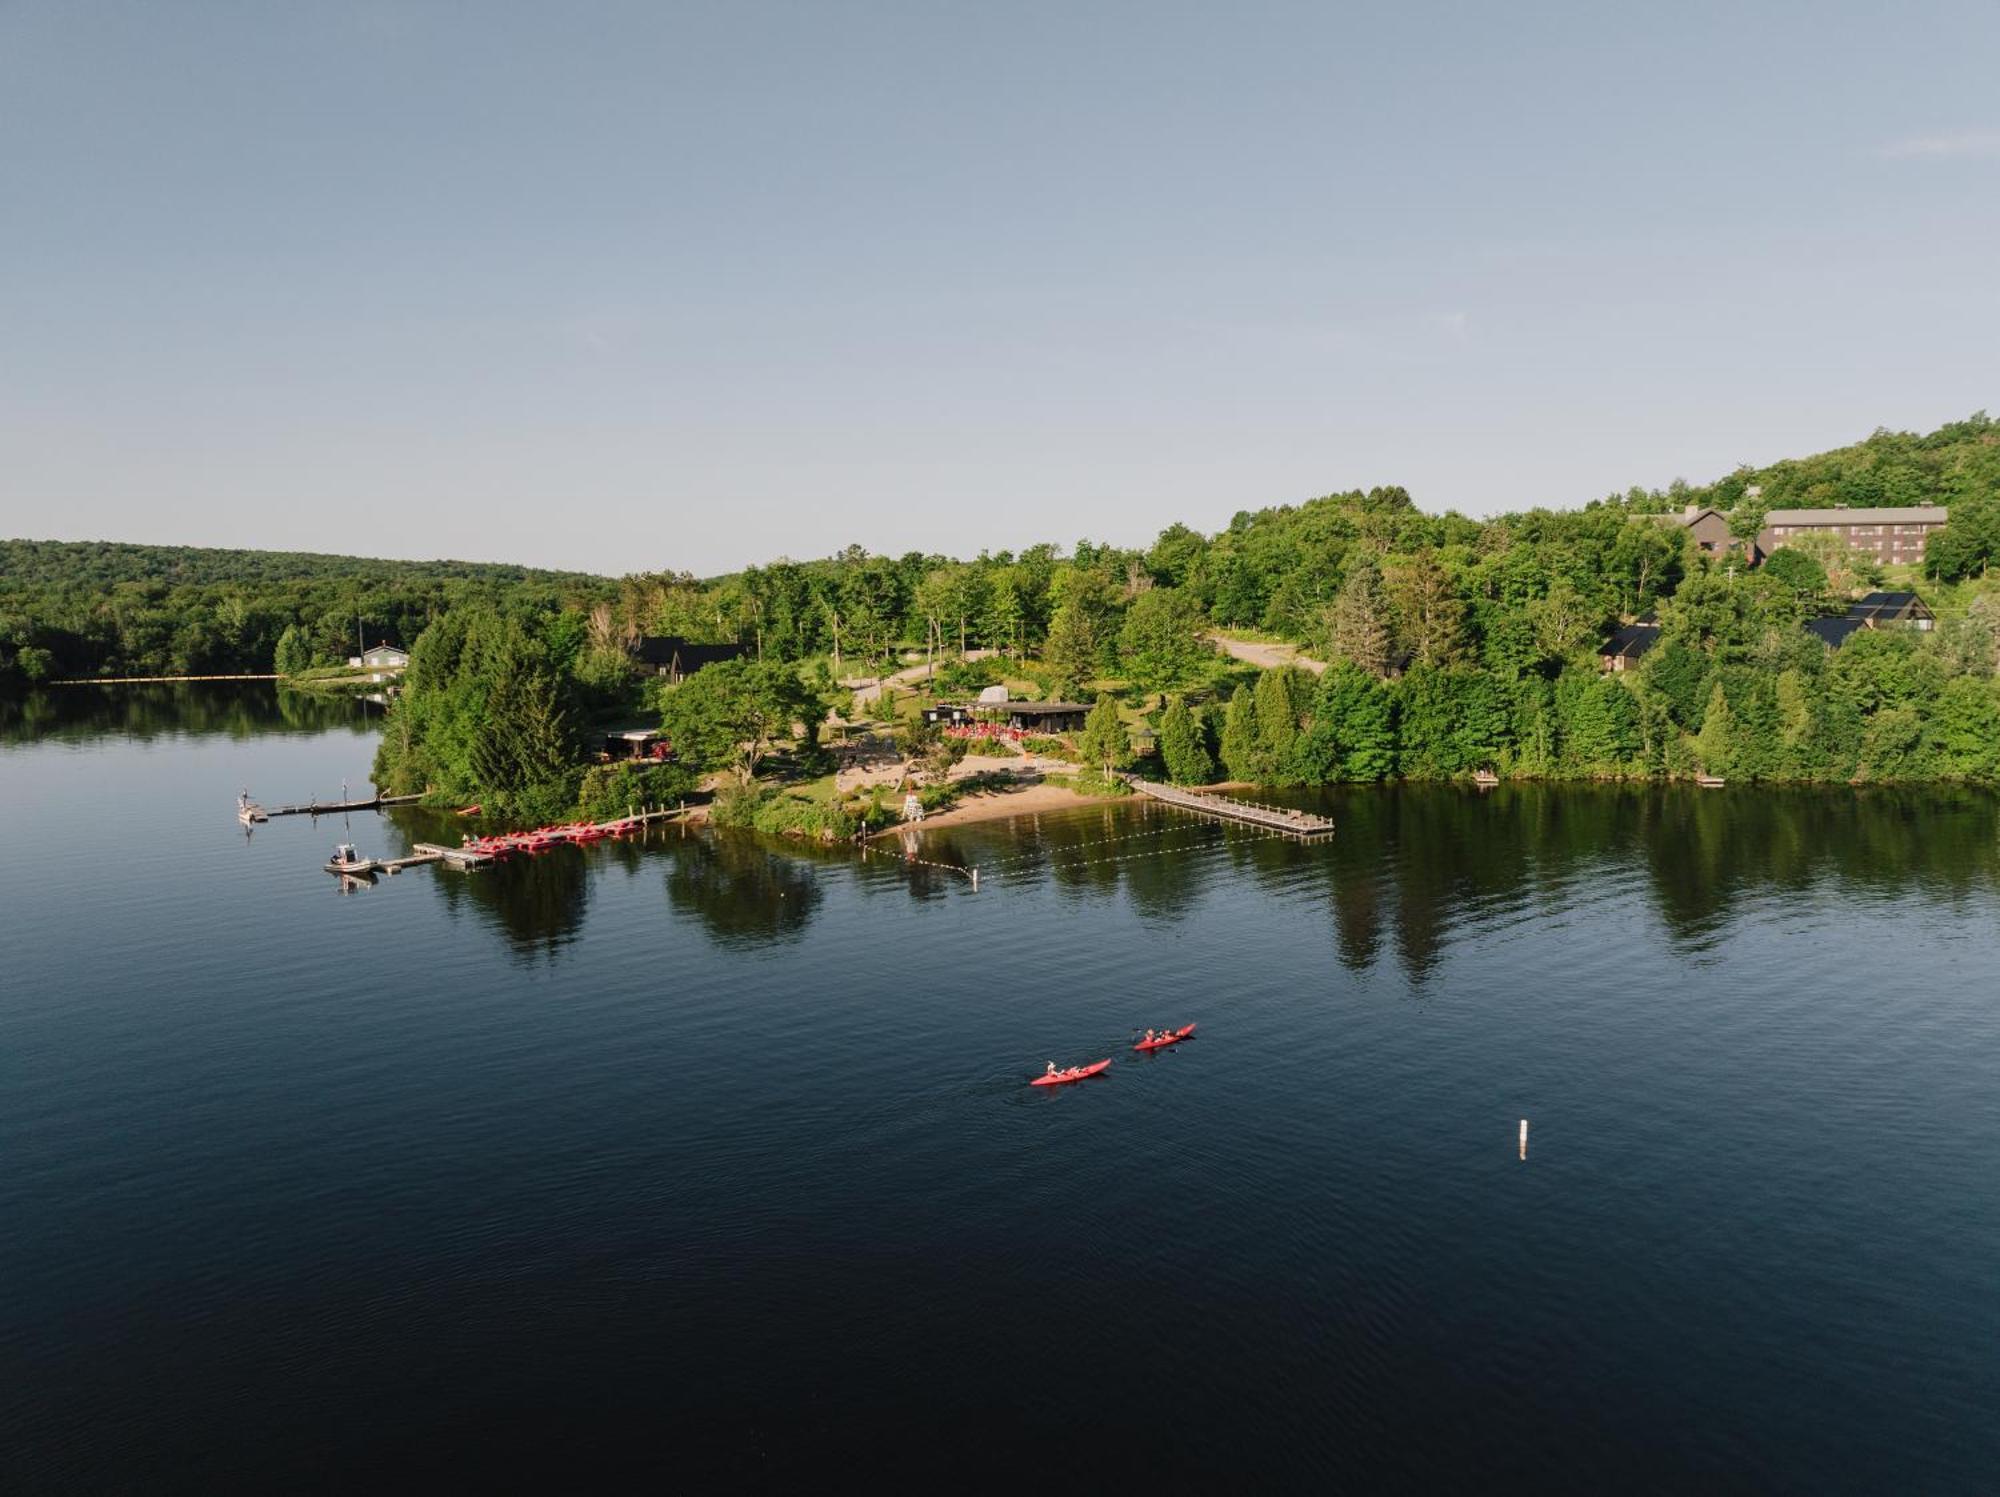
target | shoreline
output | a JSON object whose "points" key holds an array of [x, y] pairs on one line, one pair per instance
{"points": [[1001, 805]]}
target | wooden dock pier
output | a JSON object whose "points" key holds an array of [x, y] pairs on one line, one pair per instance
{"points": [[1301, 824], [248, 811]]}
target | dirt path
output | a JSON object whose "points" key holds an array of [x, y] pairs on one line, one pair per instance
{"points": [[866, 691], [1267, 656]]}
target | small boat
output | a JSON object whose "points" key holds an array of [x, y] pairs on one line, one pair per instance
{"points": [[468, 810], [348, 862], [1169, 1037], [1074, 1073], [1710, 781]]}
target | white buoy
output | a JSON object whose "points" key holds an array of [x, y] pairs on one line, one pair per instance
{"points": [[1524, 1138]]}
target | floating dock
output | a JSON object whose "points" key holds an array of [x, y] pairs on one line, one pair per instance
{"points": [[1301, 824]]}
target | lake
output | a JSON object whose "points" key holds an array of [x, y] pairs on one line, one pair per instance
{"points": [[711, 1162]]}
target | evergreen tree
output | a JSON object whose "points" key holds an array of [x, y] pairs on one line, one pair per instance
{"points": [[1183, 747], [1357, 625], [1278, 714], [1239, 736], [1071, 649], [1715, 744], [1105, 742]]}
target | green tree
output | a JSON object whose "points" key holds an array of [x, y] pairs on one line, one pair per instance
{"points": [[1162, 639], [1357, 625], [1239, 736], [1278, 712], [1105, 742], [1184, 747], [293, 655], [1715, 744], [731, 713], [1071, 649], [1357, 712]]}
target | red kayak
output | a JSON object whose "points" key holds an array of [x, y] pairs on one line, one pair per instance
{"points": [[1074, 1073], [1160, 1042]]}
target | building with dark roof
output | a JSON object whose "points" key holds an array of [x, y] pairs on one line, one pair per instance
{"points": [[1881, 610], [1833, 633], [1889, 534], [1024, 717], [1876, 611], [1622, 651], [675, 658]]}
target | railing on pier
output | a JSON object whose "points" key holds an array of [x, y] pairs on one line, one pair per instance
{"points": [[1301, 824]]}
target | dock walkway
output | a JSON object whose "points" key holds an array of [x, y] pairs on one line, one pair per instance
{"points": [[1301, 824]]}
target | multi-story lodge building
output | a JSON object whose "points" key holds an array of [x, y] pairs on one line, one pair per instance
{"points": [[1891, 536]]}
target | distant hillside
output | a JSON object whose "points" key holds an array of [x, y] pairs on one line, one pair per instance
{"points": [[1957, 462], [27, 565]]}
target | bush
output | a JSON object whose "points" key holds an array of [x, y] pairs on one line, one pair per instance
{"points": [[779, 814], [609, 791]]}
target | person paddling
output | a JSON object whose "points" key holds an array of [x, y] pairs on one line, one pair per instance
{"points": [[1149, 1036], [1052, 1068]]}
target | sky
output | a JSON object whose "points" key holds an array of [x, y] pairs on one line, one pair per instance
{"points": [[671, 285]]}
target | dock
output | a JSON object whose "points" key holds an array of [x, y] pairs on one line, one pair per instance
{"points": [[1301, 824], [248, 811], [483, 852]]}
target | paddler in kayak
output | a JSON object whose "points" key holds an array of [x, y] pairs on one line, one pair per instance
{"points": [[1149, 1036], [1051, 1070]]}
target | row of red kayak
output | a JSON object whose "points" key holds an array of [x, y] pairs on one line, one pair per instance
{"points": [[543, 838], [1153, 1041]]}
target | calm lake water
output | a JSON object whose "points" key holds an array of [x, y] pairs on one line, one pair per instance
{"points": [[713, 1163]]}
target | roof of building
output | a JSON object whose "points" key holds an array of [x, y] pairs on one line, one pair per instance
{"points": [[1912, 514], [1632, 641], [1689, 515], [1833, 632], [667, 649], [1042, 709]]}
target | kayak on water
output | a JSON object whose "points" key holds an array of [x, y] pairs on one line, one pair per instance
{"points": [[1169, 1037], [1074, 1073]]}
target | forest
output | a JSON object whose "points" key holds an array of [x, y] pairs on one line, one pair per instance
{"points": [[1450, 644]]}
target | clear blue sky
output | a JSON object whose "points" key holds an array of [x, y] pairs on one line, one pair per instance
{"points": [[664, 285]]}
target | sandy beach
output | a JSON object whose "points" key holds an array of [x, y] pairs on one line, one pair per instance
{"points": [[1001, 805]]}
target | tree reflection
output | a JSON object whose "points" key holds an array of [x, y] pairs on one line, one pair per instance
{"points": [[742, 891]]}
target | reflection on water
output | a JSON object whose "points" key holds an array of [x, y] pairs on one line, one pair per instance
{"points": [[1410, 865], [237, 710], [744, 892]]}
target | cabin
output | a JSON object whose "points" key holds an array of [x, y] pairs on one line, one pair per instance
{"points": [[1621, 652], [1892, 534], [382, 662], [949, 715], [676, 659], [1893, 610], [1876, 611]]}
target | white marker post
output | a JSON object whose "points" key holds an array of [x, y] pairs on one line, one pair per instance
{"points": [[1524, 1138]]}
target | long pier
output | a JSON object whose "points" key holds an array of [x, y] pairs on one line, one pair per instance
{"points": [[1301, 824], [249, 810]]}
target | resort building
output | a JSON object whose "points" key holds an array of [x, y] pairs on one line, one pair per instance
{"points": [[1018, 717], [1709, 527], [1892, 536]]}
